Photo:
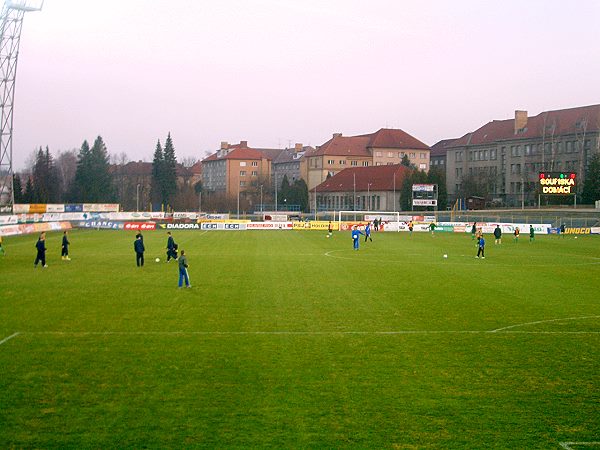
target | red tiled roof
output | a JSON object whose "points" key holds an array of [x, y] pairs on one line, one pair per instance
{"points": [[196, 168], [395, 138], [238, 153], [377, 178], [440, 148], [343, 146], [564, 121]]}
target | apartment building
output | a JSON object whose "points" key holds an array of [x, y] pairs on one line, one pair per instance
{"points": [[504, 157]]}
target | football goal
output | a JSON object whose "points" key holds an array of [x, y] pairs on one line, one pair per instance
{"points": [[370, 216]]}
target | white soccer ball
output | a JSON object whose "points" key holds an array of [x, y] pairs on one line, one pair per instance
{"points": [[327, 235], [575, 237], [157, 260], [445, 256]]}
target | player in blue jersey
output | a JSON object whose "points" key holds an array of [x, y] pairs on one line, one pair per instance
{"points": [[481, 247], [356, 236], [368, 232]]}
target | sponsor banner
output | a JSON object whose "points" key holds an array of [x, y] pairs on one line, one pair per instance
{"points": [[578, 230], [139, 226], [424, 202], [37, 208], [74, 208], [489, 227], [444, 228], [9, 220], [29, 228], [100, 207], [180, 226], [19, 208], [423, 187], [383, 217], [50, 208], [269, 217], [228, 226], [270, 226], [595, 230], [216, 217], [185, 215], [100, 224]]}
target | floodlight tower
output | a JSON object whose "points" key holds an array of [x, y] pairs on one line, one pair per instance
{"points": [[11, 23]]}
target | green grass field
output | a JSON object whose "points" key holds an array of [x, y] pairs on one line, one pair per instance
{"points": [[292, 340]]}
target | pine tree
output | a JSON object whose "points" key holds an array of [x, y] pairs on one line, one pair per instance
{"points": [[17, 188], [156, 194], [79, 188], [28, 195], [39, 175], [101, 180], [169, 176], [591, 187]]}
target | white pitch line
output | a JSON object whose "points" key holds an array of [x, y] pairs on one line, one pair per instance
{"points": [[542, 321], [297, 333], [567, 445], [9, 337]]}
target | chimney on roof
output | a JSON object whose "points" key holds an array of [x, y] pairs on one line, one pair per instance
{"points": [[337, 135], [244, 144], [224, 145], [520, 121], [298, 147]]}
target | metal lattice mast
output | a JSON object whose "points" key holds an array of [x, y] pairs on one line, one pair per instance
{"points": [[11, 23]]}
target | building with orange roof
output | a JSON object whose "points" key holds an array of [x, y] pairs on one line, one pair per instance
{"points": [[384, 147], [372, 188]]}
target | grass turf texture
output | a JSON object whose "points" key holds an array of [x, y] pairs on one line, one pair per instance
{"points": [[289, 339]]}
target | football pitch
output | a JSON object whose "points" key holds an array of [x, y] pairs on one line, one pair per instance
{"points": [[289, 339]]}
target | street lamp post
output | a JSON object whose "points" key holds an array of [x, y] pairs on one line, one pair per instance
{"points": [[261, 198], [368, 197], [137, 197]]}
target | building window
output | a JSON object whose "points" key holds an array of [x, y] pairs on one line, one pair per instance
{"points": [[458, 156], [255, 173], [378, 154], [254, 163], [493, 154], [354, 163], [365, 163], [242, 183], [242, 163], [390, 154], [412, 155], [342, 162], [330, 161], [242, 173], [423, 155], [422, 166], [401, 155]]}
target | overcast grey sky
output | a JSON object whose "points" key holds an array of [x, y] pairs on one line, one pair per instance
{"points": [[275, 72]]}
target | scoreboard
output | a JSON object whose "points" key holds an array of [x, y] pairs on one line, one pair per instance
{"points": [[558, 183]]}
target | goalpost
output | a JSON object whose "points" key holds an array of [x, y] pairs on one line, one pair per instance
{"points": [[369, 216]]}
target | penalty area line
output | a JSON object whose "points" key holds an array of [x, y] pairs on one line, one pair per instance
{"points": [[6, 339], [569, 445]]}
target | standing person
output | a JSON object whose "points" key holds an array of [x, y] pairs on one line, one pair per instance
{"points": [[473, 230], [498, 235], [375, 224], [478, 235], [380, 225], [562, 230], [432, 228], [481, 248], [1, 248], [410, 227], [516, 233], [64, 252], [171, 247], [41, 250], [531, 233], [368, 232], [183, 273], [356, 236], [138, 246], [329, 229]]}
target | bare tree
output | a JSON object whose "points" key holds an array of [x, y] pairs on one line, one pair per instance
{"points": [[188, 161], [66, 165]]}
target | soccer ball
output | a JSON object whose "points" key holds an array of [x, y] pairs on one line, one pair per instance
{"points": [[445, 256], [157, 260], [327, 235]]}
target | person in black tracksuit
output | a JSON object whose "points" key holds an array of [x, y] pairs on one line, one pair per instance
{"points": [[171, 248], [138, 246], [64, 254], [41, 251]]}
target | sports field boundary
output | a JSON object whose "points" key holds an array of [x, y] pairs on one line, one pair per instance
{"points": [[569, 445], [6, 339]]}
